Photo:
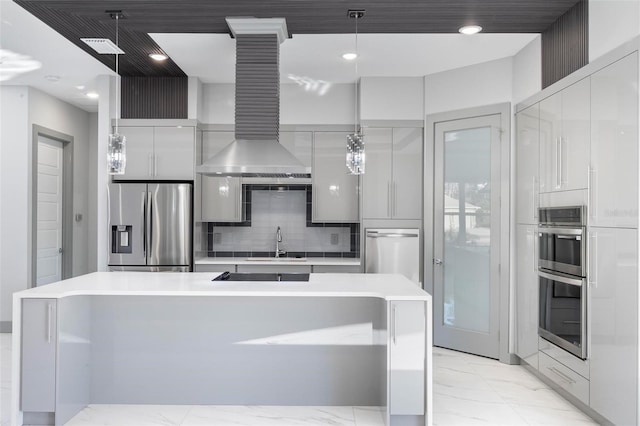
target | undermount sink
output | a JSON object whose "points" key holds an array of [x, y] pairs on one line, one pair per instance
{"points": [[277, 259]]}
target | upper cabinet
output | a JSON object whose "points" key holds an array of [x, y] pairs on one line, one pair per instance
{"points": [[527, 178], [392, 183], [335, 193], [564, 138], [299, 144], [613, 173], [159, 153]]}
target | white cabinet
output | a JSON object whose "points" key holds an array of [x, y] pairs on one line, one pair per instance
{"points": [[613, 288], [526, 290], [527, 151], [39, 347], [394, 165], [159, 153], [407, 328], [221, 197], [564, 138], [613, 189], [335, 193]]}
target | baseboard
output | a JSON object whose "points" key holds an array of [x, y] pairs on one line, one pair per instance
{"points": [[5, 327]]}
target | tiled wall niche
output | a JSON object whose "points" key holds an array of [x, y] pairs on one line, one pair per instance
{"points": [[289, 207]]}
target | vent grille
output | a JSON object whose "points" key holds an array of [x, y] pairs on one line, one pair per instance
{"points": [[104, 46], [257, 87]]}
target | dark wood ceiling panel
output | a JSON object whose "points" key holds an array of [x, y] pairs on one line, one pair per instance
{"points": [[81, 18]]}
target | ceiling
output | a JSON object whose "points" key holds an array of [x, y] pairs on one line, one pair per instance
{"points": [[396, 38]]}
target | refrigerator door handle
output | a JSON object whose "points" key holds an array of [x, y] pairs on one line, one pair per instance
{"points": [[149, 227], [144, 224]]}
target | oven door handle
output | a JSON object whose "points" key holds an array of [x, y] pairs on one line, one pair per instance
{"points": [[561, 231], [578, 282]]}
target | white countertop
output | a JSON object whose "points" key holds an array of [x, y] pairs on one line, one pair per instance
{"points": [[328, 261], [385, 286]]}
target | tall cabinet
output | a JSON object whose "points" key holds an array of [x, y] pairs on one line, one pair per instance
{"points": [[527, 187], [613, 241], [392, 190], [564, 138]]}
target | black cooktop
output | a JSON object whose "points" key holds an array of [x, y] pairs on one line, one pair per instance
{"points": [[262, 276]]}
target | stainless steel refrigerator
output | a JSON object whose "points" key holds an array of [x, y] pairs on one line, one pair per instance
{"points": [[150, 227], [393, 251]]}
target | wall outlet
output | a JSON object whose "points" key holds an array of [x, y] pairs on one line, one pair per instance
{"points": [[217, 238], [335, 239]]}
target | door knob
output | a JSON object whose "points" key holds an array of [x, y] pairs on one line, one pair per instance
{"points": [[60, 250], [437, 261]]}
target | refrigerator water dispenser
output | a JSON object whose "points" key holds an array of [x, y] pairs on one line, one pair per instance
{"points": [[121, 238]]}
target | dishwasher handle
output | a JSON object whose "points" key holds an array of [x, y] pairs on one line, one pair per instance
{"points": [[390, 235]]}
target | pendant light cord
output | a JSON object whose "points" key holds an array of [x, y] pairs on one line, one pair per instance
{"points": [[117, 76], [355, 85]]}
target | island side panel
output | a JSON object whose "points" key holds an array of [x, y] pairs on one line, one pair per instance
{"points": [[74, 357], [236, 350]]}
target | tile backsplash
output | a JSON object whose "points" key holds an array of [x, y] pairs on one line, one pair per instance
{"points": [[268, 207]]}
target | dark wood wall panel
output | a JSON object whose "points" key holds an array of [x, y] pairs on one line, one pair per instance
{"points": [[154, 97], [565, 44]]}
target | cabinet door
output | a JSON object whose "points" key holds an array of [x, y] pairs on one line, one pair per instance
{"points": [[139, 145], [174, 153], [335, 193], [221, 197], [407, 358], [614, 324], [299, 144], [527, 151], [377, 182], [526, 294], [550, 132], [613, 186], [576, 134], [407, 173], [39, 343]]}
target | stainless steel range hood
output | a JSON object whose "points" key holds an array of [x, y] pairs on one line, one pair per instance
{"points": [[256, 152]]}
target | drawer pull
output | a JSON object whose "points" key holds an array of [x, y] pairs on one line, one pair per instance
{"points": [[561, 375]]}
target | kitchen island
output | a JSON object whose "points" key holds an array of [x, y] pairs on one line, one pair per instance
{"points": [[178, 338]]}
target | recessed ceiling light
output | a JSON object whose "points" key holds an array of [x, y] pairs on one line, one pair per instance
{"points": [[158, 56], [52, 78], [470, 29], [80, 87], [92, 95], [349, 56]]}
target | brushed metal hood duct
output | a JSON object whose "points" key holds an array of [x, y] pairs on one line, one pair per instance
{"points": [[256, 152]]}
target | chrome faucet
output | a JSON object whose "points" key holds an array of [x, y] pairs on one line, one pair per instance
{"points": [[279, 251]]}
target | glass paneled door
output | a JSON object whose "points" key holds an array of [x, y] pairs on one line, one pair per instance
{"points": [[467, 234]]}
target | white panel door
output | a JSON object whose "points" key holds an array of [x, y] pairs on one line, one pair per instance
{"points": [[49, 211]]}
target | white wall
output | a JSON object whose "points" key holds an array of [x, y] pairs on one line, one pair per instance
{"points": [[14, 196], [527, 71], [476, 85], [324, 105], [392, 98], [611, 23], [23, 107]]}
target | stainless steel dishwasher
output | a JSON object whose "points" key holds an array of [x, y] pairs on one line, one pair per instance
{"points": [[393, 251]]}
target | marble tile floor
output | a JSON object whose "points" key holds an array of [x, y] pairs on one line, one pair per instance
{"points": [[468, 390]]}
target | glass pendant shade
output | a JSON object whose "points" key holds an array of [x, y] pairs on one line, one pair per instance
{"points": [[116, 154], [355, 154]]}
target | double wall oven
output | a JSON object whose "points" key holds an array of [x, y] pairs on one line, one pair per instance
{"points": [[562, 278]]}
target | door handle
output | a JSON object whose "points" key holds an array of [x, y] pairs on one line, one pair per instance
{"points": [[60, 250], [393, 328], [155, 165], [395, 198], [437, 261], [593, 266], [388, 198], [558, 163], [144, 224], [150, 165]]}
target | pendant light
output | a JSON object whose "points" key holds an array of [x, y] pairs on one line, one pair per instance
{"points": [[117, 148], [355, 141]]}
